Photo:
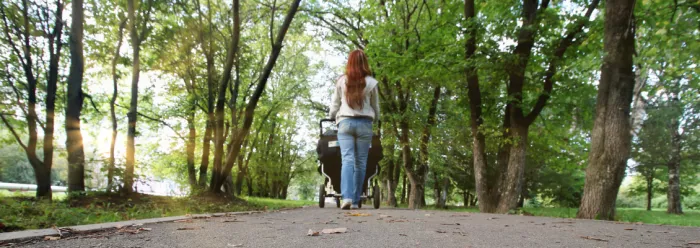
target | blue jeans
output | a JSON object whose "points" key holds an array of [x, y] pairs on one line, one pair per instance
{"points": [[354, 138]]}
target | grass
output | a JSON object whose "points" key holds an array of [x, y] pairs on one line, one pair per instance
{"points": [[689, 218], [633, 215], [21, 212]]}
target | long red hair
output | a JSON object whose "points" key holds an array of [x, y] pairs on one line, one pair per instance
{"points": [[355, 72]]}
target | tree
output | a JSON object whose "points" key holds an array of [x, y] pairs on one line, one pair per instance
{"points": [[74, 140], [138, 30], [239, 137], [501, 192], [21, 22], [610, 138]]}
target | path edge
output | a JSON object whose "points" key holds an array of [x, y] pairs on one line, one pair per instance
{"points": [[20, 236]]}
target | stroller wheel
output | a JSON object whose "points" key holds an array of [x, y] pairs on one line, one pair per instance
{"points": [[322, 196], [375, 196], [337, 202]]}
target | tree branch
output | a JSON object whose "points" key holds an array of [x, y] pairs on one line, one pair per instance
{"points": [[12, 130], [159, 121], [564, 44]]}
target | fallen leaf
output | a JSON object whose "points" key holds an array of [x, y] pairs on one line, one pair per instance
{"points": [[52, 238], [380, 216], [492, 218], [225, 221], [629, 229], [187, 228], [446, 224], [594, 238], [334, 230], [401, 234], [184, 221], [392, 221], [696, 242], [427, 215], [312, 233], [145, 229], [564, 222], [238, 245], [358, 214], [440, 231]]}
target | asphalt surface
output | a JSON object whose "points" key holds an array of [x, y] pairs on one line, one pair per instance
{"points": [[385, 228]]}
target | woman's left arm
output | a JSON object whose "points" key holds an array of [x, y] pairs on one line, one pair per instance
{"points": [[335, 102]]}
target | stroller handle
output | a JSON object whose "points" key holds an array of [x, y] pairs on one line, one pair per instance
{"points": [[320, 126]]}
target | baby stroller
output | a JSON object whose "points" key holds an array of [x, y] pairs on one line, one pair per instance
{"points": [[330, 165]]}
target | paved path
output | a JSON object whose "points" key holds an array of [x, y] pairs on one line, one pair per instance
{"points": [[387, 228]]}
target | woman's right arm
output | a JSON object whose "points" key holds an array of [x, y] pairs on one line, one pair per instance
{"points": [[374, 102]]}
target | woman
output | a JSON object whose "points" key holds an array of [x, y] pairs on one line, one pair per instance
{"points": [[355, 105]]}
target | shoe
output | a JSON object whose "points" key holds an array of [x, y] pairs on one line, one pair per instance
{"points": [[355, 206], [346, 204]]}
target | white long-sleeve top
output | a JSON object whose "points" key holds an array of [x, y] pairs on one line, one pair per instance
{"points": [[339, 108]]}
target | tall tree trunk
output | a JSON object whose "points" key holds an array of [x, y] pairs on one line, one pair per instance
{"points": [[112, 104], [674, 164], [445, 191], [74, 138], [511, 187], [55, 44], [133, 106], [611, 139], [394, 183], [191, 144], [219, 134], [206, 146], [260, 88], [488, 200], [403, 189], [650, 192]]}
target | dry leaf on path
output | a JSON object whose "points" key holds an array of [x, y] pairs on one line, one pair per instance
{"points": [[594, 238], [384, 216], [184, 221], [696, 242], [427, 215], [450, 224], [392, 221], [145, 229], [188, 228], [358, 214], [226, 221], [629, 229], [238, 245], [334, 230], [401, 234], [312, 233], [441, 231], [52, 238]]}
